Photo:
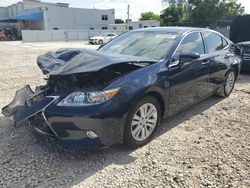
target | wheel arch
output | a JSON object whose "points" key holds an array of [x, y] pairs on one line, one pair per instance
{"points": [[153, 94], [159, 98], [236, 68], [154, 91]]}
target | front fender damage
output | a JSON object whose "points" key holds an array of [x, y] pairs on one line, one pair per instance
{"points": [[26, 104]]}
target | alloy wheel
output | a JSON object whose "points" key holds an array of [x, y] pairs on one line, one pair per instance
{"points": [[230, 82], [144, 122]]}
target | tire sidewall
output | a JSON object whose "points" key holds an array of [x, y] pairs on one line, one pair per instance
{"points": [[224, 87], [100, 42], [128, 138]]}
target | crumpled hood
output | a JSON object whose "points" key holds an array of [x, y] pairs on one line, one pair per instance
{"points": [[71, 61]]}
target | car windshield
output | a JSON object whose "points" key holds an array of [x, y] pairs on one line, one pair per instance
{"points": [[141, 43]]}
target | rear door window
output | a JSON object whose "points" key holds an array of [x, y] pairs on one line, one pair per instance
{"points": [[214, 42]]}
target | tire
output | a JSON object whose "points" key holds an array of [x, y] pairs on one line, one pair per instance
{"points": [[225, 91], [100, 42], [142, 124]]}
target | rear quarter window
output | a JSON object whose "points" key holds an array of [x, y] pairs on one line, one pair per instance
{"points": [[214, 42]]}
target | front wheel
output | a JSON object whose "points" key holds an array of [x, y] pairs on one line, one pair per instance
{"points": [[228, 85], [100, 42], [142, 122]]}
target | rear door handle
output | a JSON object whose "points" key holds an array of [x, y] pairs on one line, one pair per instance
{"points": [[228, 56], [205, 62]]}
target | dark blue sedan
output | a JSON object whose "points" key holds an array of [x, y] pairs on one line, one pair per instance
{"points": [[120, 93]]}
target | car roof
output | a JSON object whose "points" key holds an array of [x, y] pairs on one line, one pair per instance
{"points": [[173, 29]]}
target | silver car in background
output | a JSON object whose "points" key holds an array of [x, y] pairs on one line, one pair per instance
{"points": [[102, 39]]}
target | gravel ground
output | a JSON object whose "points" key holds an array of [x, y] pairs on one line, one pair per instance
{"points": [[207, 145]]}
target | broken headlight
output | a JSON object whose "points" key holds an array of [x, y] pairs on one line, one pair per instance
{"points": [[87, 98]]}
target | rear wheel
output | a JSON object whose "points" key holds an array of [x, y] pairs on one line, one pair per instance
{"points": [[227, 88], [142, 122]]}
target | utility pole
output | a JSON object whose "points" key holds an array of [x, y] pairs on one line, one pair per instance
{"points": [[128, 12]]}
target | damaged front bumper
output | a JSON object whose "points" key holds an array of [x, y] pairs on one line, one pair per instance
{"points": [[87, 127]]}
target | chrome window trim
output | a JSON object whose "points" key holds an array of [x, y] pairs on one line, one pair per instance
{"points": [[204, 41]]}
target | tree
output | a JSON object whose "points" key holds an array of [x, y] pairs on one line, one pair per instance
{"points": [[149, 16], [119, 21], [205, 12], [183, 3], [174, 2], [231, 9], [208, 12], [173, 13]]}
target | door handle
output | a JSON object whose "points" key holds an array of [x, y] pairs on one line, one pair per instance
{"points": [[228, 56], [205, 62]]}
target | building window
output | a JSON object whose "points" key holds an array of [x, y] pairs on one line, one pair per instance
{"points": [[114, 28], [105, 17], [145, 26], [140, 25], [55, 28], [104, 28], [130, 28], [92, 28]]}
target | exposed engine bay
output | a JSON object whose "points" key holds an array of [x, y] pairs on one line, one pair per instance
{"points": [[92, 80]]}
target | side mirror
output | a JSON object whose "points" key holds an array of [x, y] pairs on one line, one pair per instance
{"points": [[187, 57]]}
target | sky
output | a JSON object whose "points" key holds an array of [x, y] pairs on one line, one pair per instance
{"points": [[120, 6]]}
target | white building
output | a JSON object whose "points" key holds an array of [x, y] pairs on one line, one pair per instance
{"points": [[39, 21], [36, 15], [135, 25], [3, 15]]}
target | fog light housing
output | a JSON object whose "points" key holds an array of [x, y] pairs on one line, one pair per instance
{"points": [[91, 134]]}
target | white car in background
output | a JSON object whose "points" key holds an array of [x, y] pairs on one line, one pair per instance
{"points": [[102, 39]]}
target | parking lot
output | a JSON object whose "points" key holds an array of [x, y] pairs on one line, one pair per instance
{"points": [[207, 145]]}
